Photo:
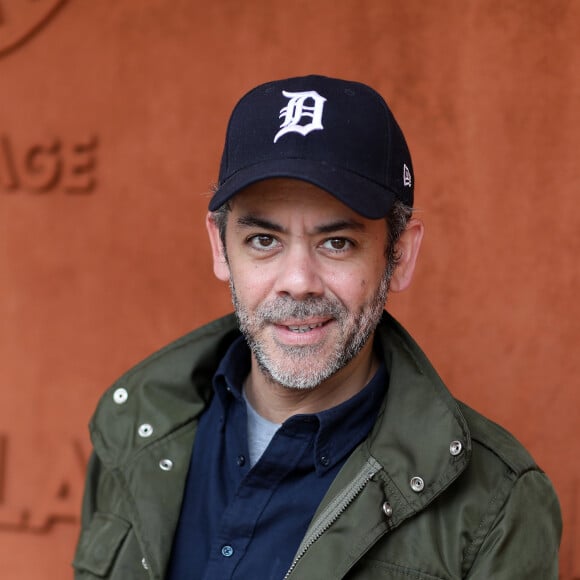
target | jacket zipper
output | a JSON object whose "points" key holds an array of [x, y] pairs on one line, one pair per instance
{"points": [[335, 509]]}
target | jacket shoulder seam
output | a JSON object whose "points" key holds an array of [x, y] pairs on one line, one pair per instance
{"points": [[498, 441]]}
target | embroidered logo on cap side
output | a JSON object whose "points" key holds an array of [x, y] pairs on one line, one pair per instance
{"points": [[297, 109], [407, 179]]}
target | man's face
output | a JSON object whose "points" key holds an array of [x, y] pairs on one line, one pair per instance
{"points": [[308, 280]]}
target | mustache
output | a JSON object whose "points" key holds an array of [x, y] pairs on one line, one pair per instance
{"points": [[285, 307]]}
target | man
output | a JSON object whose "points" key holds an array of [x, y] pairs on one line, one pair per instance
{"points": [[308, 437]]}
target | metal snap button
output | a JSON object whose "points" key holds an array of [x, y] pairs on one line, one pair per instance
{"points": [[145, 430], [120, 396], [227, 551], [166, 464], [144, 564], [387, 509], [417, 484], [455, 448]]}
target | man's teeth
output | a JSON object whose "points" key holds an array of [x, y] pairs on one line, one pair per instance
{"points": [[304, 327]]}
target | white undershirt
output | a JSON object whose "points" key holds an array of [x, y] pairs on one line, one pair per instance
{"points": [[260, 432]]}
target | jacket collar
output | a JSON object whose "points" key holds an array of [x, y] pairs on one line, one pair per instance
{"points": [[166, 391]]}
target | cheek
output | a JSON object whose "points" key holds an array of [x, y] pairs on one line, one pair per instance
{"points": [[350, 288], [358, 287], [252, 283]]}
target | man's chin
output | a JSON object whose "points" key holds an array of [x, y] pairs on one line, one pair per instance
{"points": [[301, 375], [293, 382]]}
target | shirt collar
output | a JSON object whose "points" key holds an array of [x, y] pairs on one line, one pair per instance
{"points": [[343, 427], [232, 371]]}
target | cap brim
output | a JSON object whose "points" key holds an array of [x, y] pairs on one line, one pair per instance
{"points": [[367, 198]]}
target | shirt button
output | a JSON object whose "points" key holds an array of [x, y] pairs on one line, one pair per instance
{"points": [[241, 461], [227, 551], [324, 461]]}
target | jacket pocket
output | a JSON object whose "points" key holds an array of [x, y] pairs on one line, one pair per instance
{"points": [[100, 543]]}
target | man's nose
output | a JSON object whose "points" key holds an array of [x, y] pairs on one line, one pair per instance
{"points": [[299, 275]]}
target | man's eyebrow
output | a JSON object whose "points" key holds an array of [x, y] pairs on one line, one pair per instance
{"points": [[250, 221], [339, 226]]}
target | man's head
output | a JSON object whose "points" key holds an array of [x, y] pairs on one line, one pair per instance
{"points": [[310, 223]]}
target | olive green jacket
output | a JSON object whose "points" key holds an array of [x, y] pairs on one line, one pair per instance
{"points": [[436, 492]]}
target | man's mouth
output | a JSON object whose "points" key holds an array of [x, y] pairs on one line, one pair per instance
{"points": [[304, 327]]}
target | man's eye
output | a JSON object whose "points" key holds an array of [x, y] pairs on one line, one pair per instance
{"points": [[263, 242], [337, 244]]}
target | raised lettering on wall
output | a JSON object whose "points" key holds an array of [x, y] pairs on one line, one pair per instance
{"points": [[48, 166], [59, 498]]}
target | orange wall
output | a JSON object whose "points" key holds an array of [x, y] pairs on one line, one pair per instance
{"points": [[111, 121]]}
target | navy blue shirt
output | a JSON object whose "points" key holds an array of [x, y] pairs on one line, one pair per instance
{"points": [[246, 522]]}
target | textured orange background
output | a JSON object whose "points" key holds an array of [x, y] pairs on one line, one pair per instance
{"points": [[112, 116]]}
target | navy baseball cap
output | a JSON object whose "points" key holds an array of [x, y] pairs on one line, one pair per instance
{"points": [[338, 135]]}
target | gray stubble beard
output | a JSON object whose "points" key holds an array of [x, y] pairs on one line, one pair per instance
{"points": [[299, 375]]}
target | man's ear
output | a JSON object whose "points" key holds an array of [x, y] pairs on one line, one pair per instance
{"points": [[407, 248], [220, 263]]}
